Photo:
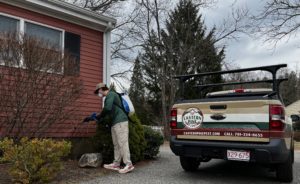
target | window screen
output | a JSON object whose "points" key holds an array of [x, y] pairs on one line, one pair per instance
{"points": [[72, 48]]}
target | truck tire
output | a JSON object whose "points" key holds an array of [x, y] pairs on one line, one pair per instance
{"points": [[284, 171], [189, 163]]}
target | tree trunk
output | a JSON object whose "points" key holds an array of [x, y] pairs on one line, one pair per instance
{"points": [[164, 109]]}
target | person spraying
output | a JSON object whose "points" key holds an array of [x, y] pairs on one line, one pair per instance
{"points": [[119, 127]]}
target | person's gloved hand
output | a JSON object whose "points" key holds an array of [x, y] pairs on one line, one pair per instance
{"points": [[94, 116]]}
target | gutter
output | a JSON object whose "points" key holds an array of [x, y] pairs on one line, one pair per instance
{"points": [[107, 53]]}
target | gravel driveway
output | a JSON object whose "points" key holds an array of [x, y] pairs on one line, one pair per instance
{"points": [[166, 169], [152, 172]]}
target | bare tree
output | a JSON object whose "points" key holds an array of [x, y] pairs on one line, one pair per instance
{"points": [[101, 6], [153, 12], [135, 23], [278, 20], [38, 86], [235, 24], [125, 36]]}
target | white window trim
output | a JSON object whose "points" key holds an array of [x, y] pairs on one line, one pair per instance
{"points": [[21, 30], [10, 16], [23, 20]]}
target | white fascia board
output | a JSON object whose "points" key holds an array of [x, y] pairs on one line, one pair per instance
{"points": [[67, 12]]}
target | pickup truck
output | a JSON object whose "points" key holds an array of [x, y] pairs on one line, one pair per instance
{"points": [[246, 125]]}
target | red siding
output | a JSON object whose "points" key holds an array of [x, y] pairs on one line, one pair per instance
{"points": [[91, 69]]}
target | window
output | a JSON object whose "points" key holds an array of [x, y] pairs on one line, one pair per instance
{"points": [[52, 36], [7, 54], [72, 47], [49, 41], [8, 24], [57, 39]]}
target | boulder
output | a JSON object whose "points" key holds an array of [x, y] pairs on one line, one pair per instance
{"points": [[90, 160]]}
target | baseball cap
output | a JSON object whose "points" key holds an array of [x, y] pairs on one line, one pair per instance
{"points": [[98, 86]]}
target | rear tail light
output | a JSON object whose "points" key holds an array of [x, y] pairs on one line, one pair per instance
{"points": [[173, 122], [239, 91], [277, 117]]}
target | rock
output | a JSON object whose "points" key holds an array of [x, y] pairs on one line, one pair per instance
{"points": [[90, 160]]}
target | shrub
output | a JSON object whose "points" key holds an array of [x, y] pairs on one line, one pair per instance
{"points": [[137, 143], [35, 160], [103, 141], [154, 139], [80, 146]]}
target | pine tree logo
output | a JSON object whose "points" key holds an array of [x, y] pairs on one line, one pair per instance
{"points": [[192, 118]]}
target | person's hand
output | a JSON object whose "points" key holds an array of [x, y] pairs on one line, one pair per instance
{"points": [[93, 116]]}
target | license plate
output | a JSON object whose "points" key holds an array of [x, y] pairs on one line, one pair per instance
{"points": [[238, 155]]}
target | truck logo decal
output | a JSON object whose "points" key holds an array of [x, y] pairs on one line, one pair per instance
{"points": [[192, 118], [218, 116]]}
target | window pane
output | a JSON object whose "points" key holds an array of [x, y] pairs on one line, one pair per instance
{"points": [[8, 24], [8, 53], [72, 47], [41, 32]]}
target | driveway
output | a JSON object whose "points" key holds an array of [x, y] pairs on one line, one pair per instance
{"points": [[166, 169]]}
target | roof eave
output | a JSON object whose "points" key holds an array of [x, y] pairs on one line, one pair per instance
{"points": [[67, 12]]}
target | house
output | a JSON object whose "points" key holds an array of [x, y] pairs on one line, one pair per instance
{"points": [[86, 34], [293, 108]]}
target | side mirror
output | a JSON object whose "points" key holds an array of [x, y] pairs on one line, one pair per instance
{"points": [[295, 118]]}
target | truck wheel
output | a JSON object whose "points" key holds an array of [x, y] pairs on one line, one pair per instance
{"points": [[284, 171], [189, 163]]}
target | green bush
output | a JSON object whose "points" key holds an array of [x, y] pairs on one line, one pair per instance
{"points": [[103, 141], [137, 143], [80, 146], [35, 160], [154, 139]]}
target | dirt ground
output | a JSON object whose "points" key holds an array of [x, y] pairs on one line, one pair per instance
{"points": [[4, 178], [69, 175], [73, 174]]}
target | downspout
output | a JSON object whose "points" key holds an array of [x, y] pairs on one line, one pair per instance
{"points": [[107, 53]]}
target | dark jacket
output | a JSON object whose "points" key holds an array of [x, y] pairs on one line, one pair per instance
{"points": [[113, 108]]}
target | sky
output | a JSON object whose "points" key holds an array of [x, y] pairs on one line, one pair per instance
{"points": [[246, 51], [252, 52]]}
